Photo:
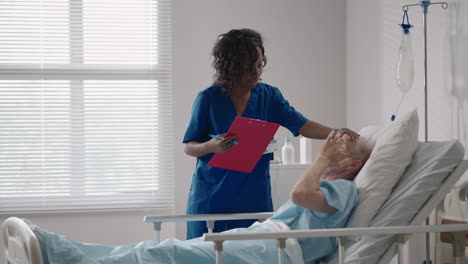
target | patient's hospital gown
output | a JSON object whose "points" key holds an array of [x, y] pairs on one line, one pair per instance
{"points": [[340, 194]]}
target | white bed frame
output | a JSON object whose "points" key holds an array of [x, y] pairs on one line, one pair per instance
{"points": [[21, 246]]}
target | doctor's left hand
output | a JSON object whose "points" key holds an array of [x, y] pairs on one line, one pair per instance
{"points": [[353, 135]]}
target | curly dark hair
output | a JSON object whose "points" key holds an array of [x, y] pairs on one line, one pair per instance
{"points": [[231, 52]]}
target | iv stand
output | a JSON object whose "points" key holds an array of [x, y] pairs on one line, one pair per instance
{"points": [[425, 6]]}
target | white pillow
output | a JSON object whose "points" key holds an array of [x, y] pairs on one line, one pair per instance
{"points": [[394, 146]]}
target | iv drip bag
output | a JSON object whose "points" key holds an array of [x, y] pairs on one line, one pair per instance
{"points": [[405, 65]]}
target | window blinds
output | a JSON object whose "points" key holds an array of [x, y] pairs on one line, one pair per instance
{"points": [[85, 105]]}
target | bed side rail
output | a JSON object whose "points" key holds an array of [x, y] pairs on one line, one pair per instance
{"points": [[458, 231], [210, 219]]}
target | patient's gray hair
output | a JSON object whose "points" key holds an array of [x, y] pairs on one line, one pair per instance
{"points": [[362, 150]]}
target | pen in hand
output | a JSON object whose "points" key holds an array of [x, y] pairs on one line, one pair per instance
{"points": [[218, 137]]}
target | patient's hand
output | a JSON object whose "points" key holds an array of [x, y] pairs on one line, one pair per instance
{"points": [[337, 149]]}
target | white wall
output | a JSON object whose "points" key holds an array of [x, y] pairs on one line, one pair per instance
{"points": [[373, 43], [363, 52], [306, 45]]}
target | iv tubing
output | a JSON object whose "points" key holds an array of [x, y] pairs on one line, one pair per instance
{"points": [[398, 107]]}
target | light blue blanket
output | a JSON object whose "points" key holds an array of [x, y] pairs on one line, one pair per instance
{"points": [[60, 250], [340, 194]]}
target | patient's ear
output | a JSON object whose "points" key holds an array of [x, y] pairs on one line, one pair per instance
{"points": [[355, 165], [353, 169]]}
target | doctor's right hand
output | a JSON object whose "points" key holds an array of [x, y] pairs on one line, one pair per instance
{"points": [[221, 145]]}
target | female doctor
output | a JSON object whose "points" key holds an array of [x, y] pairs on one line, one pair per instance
{"points": [[239, 59]]}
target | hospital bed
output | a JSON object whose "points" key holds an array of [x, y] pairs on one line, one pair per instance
{"points": [[435, 169], [21, 246]]}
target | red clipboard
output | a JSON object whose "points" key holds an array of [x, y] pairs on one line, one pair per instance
{"points": [[253, 137]]}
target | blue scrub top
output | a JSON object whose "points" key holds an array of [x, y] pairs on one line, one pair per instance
{"points": [[340, 194], [216, 190]]}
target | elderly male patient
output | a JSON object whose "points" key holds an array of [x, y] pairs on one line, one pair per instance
{"points": [[323, 197]]}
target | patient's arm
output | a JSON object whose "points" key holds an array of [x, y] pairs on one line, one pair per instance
{"points": [[306, 192], [330, 164]]}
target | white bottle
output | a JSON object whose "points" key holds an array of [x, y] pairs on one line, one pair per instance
{"points": [[305, 150], [287, 152]]}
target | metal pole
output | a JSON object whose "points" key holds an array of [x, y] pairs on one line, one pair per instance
{"points": [[426, 125], [281, 247], [341, 244], [218, 245], [157, 228], [400, 241]]}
